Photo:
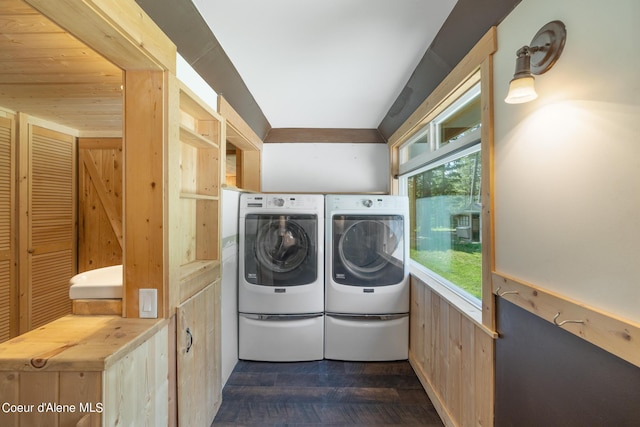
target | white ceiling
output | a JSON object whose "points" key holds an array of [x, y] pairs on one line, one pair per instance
{"points": [[329, 63]]}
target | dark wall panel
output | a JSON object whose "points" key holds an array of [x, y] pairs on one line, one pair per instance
{"points": [[468, 22], [546, 376], [182, 23]]}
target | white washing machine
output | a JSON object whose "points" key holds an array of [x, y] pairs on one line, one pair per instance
{"points": [[367, 277], [281, 277]]}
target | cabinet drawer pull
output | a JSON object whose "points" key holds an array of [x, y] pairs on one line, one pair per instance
{"points": [[189, 340]]}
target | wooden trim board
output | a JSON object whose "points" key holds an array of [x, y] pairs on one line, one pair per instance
{"points": [[605, 330], [247, 139]]}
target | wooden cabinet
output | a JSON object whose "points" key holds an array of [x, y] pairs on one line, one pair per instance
{"points": [[196, 248], [198, 357], [105, 370]]}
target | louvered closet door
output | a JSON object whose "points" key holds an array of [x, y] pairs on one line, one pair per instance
{"points": [[52, 244], [7, 279]]}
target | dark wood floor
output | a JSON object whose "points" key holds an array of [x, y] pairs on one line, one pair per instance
{"points": [[325, 393]]}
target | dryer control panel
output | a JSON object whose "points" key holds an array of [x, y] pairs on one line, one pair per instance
{"points": [[365, 202]]}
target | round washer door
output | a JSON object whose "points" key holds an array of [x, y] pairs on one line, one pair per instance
{"points": [[282, 246], [280, 250]]}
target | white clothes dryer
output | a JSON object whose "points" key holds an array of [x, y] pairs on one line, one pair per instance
{"points": [[281, 277], [367, 277]]}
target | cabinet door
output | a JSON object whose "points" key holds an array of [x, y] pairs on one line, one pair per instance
{"points": [[7, 224], [198, 359], [48, 220]]}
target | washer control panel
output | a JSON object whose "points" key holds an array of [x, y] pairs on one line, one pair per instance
{"points": [[282, 201]]}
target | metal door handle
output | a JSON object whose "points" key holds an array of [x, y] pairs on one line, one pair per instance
{"points": [[189, 340]]}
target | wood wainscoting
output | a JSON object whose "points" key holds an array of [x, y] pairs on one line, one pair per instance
{"points": [[453, 357]]}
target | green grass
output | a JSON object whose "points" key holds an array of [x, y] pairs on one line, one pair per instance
{"points": [[462, 267]]}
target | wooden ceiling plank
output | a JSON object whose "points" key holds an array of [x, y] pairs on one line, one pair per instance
{"points": [[49, 74], [46, 40], [76, 69], [36, 52], [120, 31], [13, 7], [32, 23], [54, 91]]}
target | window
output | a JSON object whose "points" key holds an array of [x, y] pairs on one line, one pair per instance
{"points": [[441, 172]]}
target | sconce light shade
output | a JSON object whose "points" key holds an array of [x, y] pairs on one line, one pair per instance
{"points": [[521, 90], [537, 58]]}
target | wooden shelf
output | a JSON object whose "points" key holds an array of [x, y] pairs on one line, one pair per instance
{"points": [[196, 275], [197, 196], [201, 130], [193, 138], [190, 270]]}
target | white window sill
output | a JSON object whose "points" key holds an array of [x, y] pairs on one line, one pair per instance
{"points": [[472, 311]]}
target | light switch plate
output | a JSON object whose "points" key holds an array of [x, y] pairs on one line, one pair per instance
{"points": [[148, 303]]}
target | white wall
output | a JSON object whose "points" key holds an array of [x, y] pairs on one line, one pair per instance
{"points": [[567, 165], [325, 168], [190, 77]]}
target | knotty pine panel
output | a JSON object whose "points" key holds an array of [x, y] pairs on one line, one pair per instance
{"points": [[100, 203], [136, 387], [453, 358]]}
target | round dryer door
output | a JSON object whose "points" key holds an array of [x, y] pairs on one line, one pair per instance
{"points": [[370, 251], [282, 246]]}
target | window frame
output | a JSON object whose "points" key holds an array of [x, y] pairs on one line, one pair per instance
{"points": [[475, 67], [437, 151], [469, 147]]}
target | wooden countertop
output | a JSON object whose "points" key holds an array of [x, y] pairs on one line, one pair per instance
{"points": [[77, 343]]}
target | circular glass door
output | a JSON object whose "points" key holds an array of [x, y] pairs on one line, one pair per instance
{"points": [[366, 247], [281, 246]]}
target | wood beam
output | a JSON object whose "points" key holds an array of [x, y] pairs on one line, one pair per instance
{"points": [[324, 135], [144, 194]]}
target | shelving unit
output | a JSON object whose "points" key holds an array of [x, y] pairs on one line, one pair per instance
{"points": [[198, 330], [201, 130]]}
